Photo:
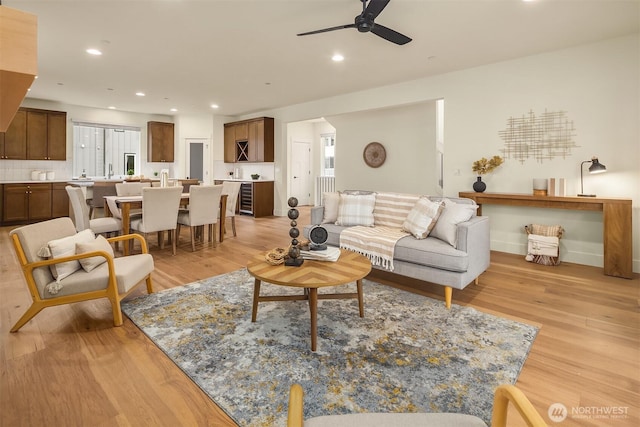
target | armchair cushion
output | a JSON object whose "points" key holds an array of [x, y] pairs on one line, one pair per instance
{"points": [[98, 244], [66, 246]]}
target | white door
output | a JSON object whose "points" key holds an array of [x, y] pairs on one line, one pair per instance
{"points": [[301, 172]]}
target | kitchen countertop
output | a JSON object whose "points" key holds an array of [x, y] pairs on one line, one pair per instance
{"points": [[243, 180], [30, 181]]}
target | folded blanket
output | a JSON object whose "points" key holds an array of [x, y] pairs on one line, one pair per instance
{"points": [[376, 243]]}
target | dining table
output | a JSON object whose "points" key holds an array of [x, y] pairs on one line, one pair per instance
{"points": [[127, 203]]}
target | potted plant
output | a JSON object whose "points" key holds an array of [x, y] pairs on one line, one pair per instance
{"points": [[484, 166], [130, 173]]}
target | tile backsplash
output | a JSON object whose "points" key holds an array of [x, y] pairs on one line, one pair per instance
{"points": [[20, 170]]}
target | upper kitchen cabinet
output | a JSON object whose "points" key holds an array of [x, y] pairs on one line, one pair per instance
{"points": [[160, 141], [46, 135], [249, 140], [13, 142]]}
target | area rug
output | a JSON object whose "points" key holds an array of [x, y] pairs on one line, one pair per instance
{"points": [[408, 354]]}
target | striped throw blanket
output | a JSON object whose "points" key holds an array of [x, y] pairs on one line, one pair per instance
{"points": [[376, 243]]}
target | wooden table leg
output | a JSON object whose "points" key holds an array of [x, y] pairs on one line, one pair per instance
{"points": [[223, 214], [256, 294], [360, 297], [313, 308], [126, 213]]}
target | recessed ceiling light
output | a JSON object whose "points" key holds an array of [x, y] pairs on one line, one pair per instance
{"points": [[111, 107], [94, 52], [173, 110], [337, 57], [140, 94], [215, 106]]}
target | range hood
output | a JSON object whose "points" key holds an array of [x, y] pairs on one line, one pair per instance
{"points": [[18, 60]]}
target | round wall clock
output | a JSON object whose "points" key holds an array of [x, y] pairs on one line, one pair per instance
{"points": [[374, 154]]}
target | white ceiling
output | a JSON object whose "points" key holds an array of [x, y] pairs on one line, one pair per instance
{"points": [[245, 56]]}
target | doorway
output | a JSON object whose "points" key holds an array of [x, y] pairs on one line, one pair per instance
{"points": [[196, 168], [301, 172]]}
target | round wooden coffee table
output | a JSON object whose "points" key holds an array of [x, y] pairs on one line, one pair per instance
{"points": [[350, 267]]}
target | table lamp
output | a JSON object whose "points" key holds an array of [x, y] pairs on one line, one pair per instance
{"points": [[596, 167]]}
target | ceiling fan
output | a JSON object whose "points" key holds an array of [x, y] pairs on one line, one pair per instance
{"points": [[364, 23]]}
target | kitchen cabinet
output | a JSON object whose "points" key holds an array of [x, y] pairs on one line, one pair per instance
{"points": [[13, 142], [249, 140], [256, 198], [46, 135], [35, 135], [229, 144], [26, 203], [160, 141], [59, 200]]}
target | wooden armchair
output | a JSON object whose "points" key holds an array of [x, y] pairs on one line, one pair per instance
{"points": [[113, 278], [504, 395]]}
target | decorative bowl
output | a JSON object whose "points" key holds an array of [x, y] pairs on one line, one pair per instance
{"points": [[255, 176]]}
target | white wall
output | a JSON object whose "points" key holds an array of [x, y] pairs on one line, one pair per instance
{"points": [[597, 84], [408, 134]]}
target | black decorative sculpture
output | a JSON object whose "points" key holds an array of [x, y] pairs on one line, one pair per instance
{"points": [[294, 259]]}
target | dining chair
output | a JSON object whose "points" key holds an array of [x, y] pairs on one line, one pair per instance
{"points": [[231, 189], [97, 199], [106, 225], [124, 189], [91, 269], [159, 213], [204, 208]]}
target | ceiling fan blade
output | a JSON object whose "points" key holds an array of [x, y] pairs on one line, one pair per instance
{"points": [[339, 27], [389, 34], [374, 8]]}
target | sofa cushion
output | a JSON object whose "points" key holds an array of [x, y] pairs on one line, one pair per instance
{"points": [[356, 209], [422, 218], [452, 215], [431, 252], [331, 201], [391, 209]]}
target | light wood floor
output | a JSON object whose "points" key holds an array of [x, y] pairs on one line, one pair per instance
{"points": [[70, 367]]}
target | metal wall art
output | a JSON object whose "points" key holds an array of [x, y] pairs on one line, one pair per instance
{"points": [[541, 137]]}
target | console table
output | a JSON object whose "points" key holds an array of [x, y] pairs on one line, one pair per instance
{"points": [[616, 214]]}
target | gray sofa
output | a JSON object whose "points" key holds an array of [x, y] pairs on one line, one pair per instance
{"points": [[431, 259]]}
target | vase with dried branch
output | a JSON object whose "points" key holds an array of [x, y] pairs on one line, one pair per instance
{"points": [[482, 167]]}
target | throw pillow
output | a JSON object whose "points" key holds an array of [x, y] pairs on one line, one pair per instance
{"points": [[453, 214], [392, 208], [66, 247], [356, 209], [98, 244], [422, 218], [331, 202]]}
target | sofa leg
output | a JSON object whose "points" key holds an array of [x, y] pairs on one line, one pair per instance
{"points": [[448, 292], [477, 280]]}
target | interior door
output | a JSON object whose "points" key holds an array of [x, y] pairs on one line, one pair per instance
{"points": [[197, 167], [301, 172]]}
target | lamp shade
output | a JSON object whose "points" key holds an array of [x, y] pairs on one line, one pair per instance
{"points": [[596, 166]]}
